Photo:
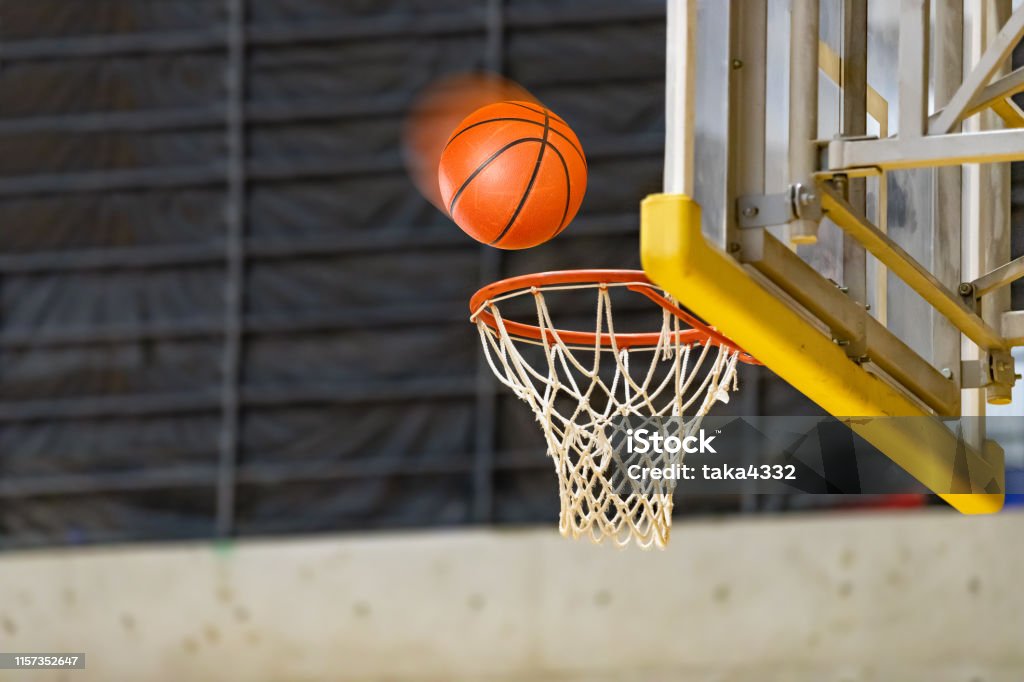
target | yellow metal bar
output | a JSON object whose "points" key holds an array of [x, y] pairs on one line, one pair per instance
{"points": [[1002, 104], [909, 270], [676, 256], [1011, 114]]}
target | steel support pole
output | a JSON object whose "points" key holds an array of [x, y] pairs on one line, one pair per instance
{"points": [[854, 88], [913, 66], [746, 140], [986, 235], [745, 169], [680, 90], [910, 213], [947, 219], [803, 107]]}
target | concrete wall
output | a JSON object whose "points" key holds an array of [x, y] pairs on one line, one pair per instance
{"points": [[912, 596]]}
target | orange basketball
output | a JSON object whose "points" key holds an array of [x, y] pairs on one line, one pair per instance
{"points": [[512, 175]]}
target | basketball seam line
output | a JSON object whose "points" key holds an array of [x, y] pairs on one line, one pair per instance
{"points": [[533, 178], [543, 110], [568, 192], [482, 166], [523, 120]]}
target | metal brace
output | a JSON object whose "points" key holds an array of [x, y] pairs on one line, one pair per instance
{"points": [[991, 281], [766, 210], [997, 369]]}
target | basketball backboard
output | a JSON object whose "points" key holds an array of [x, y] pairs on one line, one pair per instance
{"points": [[847, 220]]}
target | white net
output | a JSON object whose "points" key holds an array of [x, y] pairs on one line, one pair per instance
{"points": [[581, 395]]}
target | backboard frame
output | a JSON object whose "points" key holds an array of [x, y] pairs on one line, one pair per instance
{"points": [[820, 335]]}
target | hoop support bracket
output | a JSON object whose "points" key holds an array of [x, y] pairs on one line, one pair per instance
{"points": [[799, 202]]}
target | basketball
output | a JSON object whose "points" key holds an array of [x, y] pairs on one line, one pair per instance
{"points": [[437, 111], [512, 175]]}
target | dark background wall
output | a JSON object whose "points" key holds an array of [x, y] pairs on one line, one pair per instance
{"points": [[223, 308]]}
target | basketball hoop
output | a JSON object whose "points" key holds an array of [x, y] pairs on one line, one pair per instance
{"points": [[578, 382]]}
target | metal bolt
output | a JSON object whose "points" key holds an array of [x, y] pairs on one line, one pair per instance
{"points": [[737, 64], [808, 198], [867, 307], [842, 342], [734, 247], [750, 211], [965, 289], [947, 372]]}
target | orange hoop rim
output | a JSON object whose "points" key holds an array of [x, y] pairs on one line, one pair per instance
{"points": [[633, 280]]}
